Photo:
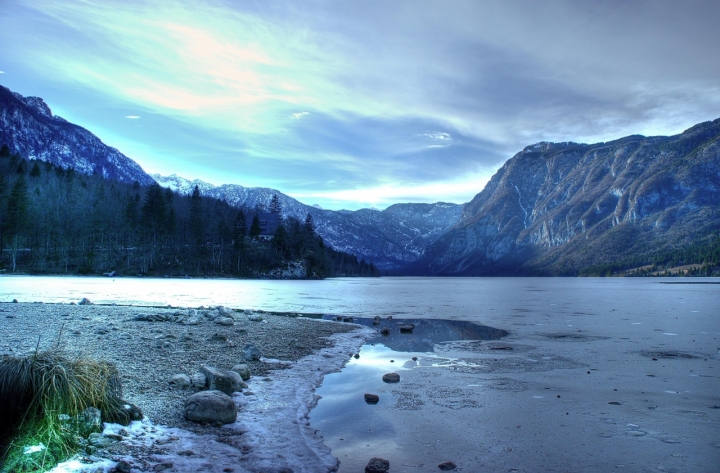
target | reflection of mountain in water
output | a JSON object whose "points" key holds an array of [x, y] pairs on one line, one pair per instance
{"points": [[426, 333]]}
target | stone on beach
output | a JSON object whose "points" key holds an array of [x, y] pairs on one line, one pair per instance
{"points": [[226, 381], [372, 398], [85, 301], [243, 370], [210, 406], [181, 380], [251, 352], [391, 378], [447, 466], [377, 465]]}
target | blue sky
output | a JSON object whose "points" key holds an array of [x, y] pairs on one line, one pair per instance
{"points": [[351, 104]]}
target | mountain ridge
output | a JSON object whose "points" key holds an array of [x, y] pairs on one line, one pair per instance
{"points": [[557, 208]]}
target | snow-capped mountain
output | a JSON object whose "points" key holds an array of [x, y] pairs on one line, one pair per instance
{"points": [[390, 238], [28, 127]]}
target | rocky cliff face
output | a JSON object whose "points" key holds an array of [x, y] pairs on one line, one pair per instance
{"points": [[28, 127], [557, 208], [390, 239]]}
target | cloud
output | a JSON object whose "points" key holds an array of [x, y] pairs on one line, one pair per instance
{"points": [[132, 117], [398, 99]]}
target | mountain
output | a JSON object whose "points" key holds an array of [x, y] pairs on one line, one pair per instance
{"points": [[28, 127], [390, 239], [557, 208]]}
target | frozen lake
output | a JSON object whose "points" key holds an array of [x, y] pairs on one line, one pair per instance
{"points": [[595, 374]]}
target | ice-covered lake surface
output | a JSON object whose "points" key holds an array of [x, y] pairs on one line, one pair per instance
{"points": [[594, 374]]}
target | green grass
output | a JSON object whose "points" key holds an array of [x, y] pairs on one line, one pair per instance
{"points": [[42, 397]]}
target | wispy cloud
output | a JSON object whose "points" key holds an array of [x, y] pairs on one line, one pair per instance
{"points": [[355, 98], [132, 117]]}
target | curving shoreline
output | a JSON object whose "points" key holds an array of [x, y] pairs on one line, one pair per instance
{"points": [[148, 353]]}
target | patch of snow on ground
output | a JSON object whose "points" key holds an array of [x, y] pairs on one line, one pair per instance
{"points": [[273, 427]]}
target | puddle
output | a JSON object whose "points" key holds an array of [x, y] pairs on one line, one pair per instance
{"points": [[424, 334], [350, 425]]}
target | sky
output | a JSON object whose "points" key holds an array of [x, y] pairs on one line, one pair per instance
{"points": [[352, 104]]}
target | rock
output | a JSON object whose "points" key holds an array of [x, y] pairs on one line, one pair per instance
{"points": [[198, 380], [377, 465], [181, 381], [210, 406], [123, 467], [124, 413], [225, 321], [406, 328], [219, 337], [376, 320], [190, 320], [446, 466], [385, 331], [85, 301], [372, 398], [243, 370], [389, 317], [391, 378], [96, 439], [219, 380], [237, 382], [251, 352], [356, 355], [255, 318], [89, 421], [163, 466], [224, 312], [414, 358], [14, 301]]}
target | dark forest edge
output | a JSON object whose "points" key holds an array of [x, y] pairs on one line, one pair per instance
{"points": [[696, 259], [58, 221]]}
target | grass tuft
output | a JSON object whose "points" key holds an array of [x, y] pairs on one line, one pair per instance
{"points": [[43, 396]]}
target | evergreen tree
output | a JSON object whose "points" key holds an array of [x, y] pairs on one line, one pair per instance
{"points": [[275, 207], [240, 229], [255, 229], [196, 220], [309, 224], [35, 171], [16, 216]]}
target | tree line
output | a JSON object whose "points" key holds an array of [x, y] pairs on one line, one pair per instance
{"points": [[58, 221]]}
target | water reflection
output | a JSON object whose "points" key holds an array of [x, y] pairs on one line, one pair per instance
{"points": [[398, 335]]}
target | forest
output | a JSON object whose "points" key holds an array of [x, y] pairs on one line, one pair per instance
{"points": [[58, 221]]}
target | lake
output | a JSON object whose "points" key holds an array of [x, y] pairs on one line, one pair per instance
{"points": [[594, 374]]}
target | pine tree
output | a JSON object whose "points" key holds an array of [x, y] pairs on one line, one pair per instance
{"points": [[309, 224], [16, 217], [275, 207], [255, 229]]}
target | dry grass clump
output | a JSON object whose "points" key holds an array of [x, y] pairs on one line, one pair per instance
{"points": [[43, 397]]}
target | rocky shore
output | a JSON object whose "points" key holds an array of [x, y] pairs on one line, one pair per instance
{"points": [[150, 345]]}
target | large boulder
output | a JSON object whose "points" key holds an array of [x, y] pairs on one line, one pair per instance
{"points": [[243, 370], [251, 352], [218, 379], [210, 406]]}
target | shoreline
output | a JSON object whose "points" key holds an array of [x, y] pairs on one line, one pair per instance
{"points": [[297, 353]]}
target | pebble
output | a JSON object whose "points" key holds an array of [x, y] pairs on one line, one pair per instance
{"points": [[391, 378]]}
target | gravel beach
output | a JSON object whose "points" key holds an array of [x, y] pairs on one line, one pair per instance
{"points": [[173, 341]]}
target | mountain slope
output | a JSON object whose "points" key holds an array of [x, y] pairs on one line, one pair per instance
{"points": [[559, 208], [28, 127], [390, 239]]}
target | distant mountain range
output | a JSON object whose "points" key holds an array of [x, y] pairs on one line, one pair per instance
{"points": [[551, 209], [390, 239], [556, 208]]}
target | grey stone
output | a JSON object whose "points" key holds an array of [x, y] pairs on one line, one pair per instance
{"points": [[391, 378], [210, 406], [237, 382], [219, 380], [377, 465], [447, 466], [224, 312], [225, 321], [89, 421], [198, 380], [243, 370], [251, 352], [255, 318], [372, 398], [123, 467], [85, 301], [181, 381]]}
